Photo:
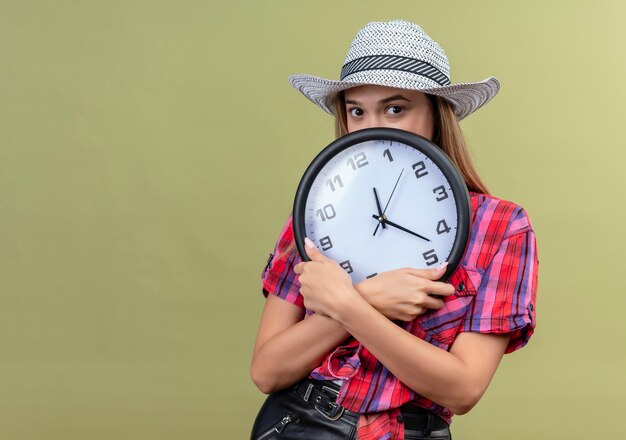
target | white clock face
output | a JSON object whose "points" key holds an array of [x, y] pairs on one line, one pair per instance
{"points": [[416, 223]]}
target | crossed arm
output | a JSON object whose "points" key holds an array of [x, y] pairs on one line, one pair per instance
{"points": [[289, 347]]}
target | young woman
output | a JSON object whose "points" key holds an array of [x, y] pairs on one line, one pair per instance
{"points": [[332, 355]]}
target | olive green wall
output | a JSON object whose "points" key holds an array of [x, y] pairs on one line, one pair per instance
{"points": [[149, 152]]}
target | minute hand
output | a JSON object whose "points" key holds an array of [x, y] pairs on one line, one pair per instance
{"points": [[390, 223]]}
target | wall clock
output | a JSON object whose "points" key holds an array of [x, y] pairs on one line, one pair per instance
{"points": [[380, 199]]}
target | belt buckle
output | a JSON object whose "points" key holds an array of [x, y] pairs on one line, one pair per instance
{"points": [[330, 390], [335, 411]]}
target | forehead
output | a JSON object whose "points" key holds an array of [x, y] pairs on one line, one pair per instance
{"points": [[372, 92]]}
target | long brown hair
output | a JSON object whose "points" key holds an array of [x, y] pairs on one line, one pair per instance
{"points": [[447, 135]]}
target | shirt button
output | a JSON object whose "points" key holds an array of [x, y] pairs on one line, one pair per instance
{"points": [[460, 287]]}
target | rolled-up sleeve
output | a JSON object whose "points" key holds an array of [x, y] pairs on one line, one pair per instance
{"points": [[278, 278], [505, 300]]}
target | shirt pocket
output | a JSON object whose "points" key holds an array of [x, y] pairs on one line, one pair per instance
{"points": [[440, 327]]}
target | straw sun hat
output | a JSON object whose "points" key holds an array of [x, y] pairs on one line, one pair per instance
{"points": [[397, 54]]}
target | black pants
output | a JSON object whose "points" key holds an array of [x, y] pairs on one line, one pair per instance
{"points": [[307, 410]]}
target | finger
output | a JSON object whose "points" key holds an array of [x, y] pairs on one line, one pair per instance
{"points": [[432, 303], [299, 268], [440, 289], [312, 251], [430, 274], [444, 290]]}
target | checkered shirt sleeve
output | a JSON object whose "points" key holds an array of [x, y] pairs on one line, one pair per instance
{"points": [[506, 295], [278, 278]]}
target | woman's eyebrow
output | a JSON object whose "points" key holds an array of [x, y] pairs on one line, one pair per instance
{"points": [[394, 98], [382, 101]]}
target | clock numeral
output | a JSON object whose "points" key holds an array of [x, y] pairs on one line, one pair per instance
{"points": [[358, 161], [442, 227], [441, 193], [430, 257], [336, 180], [326, 243], [326, 212], [346, 266], [420, 169], [388, 155]]}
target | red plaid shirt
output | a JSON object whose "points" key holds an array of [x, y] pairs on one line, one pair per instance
{"points": [[496, 286]]}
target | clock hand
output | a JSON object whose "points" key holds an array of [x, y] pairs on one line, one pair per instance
{"points": [[387, 205], [381, 217], [392, 191], [390, 223]]}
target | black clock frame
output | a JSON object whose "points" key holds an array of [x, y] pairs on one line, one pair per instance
{"points": [[431, 150]]}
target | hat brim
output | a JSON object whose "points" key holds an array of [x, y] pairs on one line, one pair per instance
{"points": [[464, 97]]}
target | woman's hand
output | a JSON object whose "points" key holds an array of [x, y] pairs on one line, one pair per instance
{"points": [[325, 286], [404, 294]]}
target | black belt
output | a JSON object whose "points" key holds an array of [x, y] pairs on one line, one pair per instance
{"points": [[322, 395]]}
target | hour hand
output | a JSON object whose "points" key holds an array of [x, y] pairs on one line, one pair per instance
{"points": [[397, 226], [381, 216]]}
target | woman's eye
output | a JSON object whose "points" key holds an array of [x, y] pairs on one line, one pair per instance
{"points": [[394, 110], [356, 112]]}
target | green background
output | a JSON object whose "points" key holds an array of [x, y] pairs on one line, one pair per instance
{"points": [[149, 153]]}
